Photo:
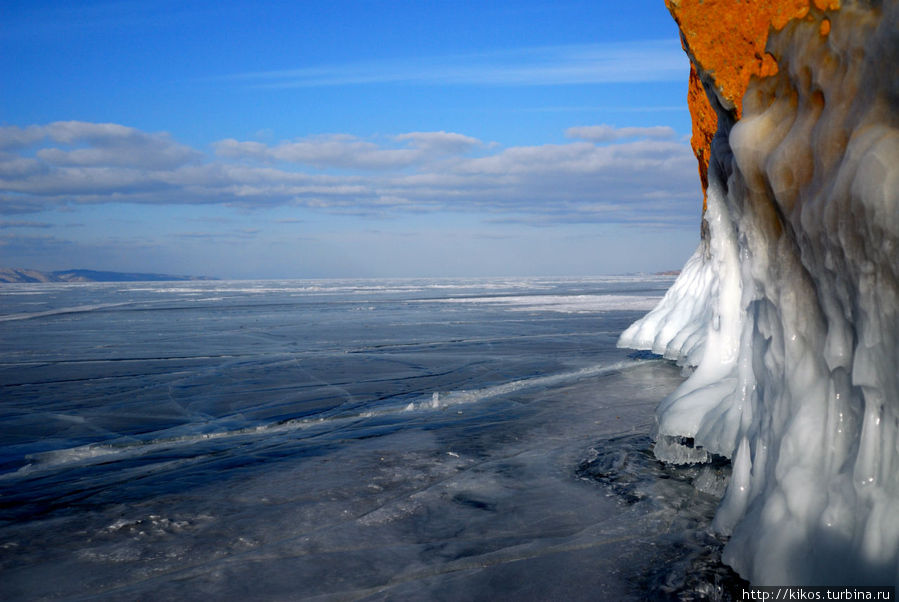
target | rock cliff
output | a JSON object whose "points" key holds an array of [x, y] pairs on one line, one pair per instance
{"points": [[789, 309]]}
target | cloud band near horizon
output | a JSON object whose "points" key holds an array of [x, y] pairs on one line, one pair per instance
{"points": [[604, 174]]}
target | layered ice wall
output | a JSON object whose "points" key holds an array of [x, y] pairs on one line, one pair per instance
{"points": [[790, 308]]}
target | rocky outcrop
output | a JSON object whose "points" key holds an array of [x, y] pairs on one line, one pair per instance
{"points": [[789, 310], [726, 44]]}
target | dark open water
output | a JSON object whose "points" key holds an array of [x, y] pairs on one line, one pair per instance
{"points": [[340, 440]]}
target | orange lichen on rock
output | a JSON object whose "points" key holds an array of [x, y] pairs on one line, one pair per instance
{"points": [[705, 122], [726, 41], [769, 66], [823, 5]]}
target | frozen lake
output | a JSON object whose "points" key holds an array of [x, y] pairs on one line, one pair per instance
{"points": [[340, 440]]}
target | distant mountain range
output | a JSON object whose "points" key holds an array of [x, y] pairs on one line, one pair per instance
{"points": [[18, 275]]}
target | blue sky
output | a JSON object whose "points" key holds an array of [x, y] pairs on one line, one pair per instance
{"points": [[345, 139]]}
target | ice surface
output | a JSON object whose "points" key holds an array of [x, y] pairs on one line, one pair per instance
{"points": [[481, 505], [347, 442], [794, 318], [564, 303], [123, 448], [58, 311]]}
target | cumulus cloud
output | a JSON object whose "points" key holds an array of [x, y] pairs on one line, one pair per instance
{"points": [[97, 145], [14, 138], [634, 173], [349, 152], [609, 133], [440, 142]]}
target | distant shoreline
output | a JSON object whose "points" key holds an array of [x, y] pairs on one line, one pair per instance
{"points": [[28, 276], [24, 276]]}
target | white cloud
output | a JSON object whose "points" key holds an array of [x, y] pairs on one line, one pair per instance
{"points": [[628, 181], [339, 151], [440, 142], [13, 137], [349, 152], [609, 133], [98, 145]]}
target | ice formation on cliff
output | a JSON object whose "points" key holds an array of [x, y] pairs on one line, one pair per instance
{"points": [[792, 316]]}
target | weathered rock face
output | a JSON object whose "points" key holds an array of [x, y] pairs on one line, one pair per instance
{"points": [[726, 44], [790, 308]]}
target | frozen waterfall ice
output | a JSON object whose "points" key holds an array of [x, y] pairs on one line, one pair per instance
{"points": [[789, 310]]}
